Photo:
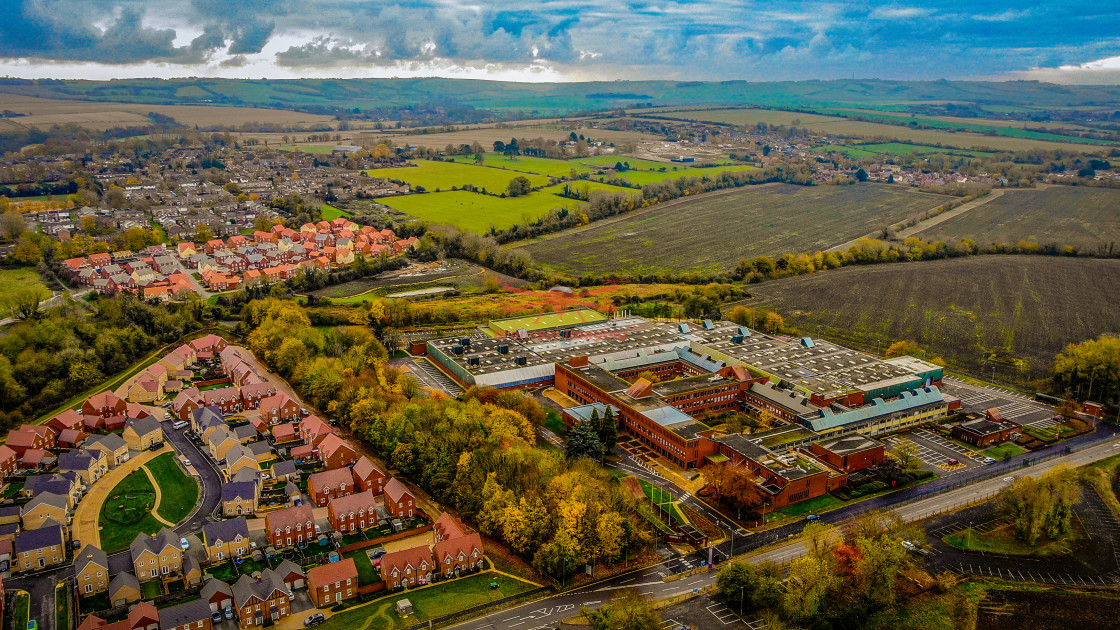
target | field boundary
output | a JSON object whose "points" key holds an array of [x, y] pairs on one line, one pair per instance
{"points": [[921, 226]]}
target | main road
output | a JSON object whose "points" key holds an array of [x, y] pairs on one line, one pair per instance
{"points": [[651, 581]]}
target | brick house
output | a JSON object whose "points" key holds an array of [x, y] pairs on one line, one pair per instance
{"points": [[398, 500], [354, 512], [458, 555], [290, 526], [336, 452], [105, 404], [367, 476], [331, 583], [156, 556], [266, 599], [849, 453], [279, 408], [330, 484], [91, 570], [407, 567]]}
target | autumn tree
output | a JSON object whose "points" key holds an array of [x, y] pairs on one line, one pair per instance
{"points": [[903, 348], [753, 586], [906, 454], [1090, 368], [12, 225], [24, 304], [627, 610], [1042, 506], [202, 233], [648, 375]]}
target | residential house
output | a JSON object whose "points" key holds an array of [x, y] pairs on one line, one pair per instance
{"points": [[39, 548], [313, 429], [186, 402], [226, 539], [91, 570], [367, 476], [239, 498], [192, 615], [407, 567], [240, 458], [104, 404], [145, 389], [220, 441], [279, 408], [333, 582], [353, 512], [285, 470], [398, 500], [290, 526], [22, 440], [158, 556], [114, 446], [253, 393], [205, 419], [283, 433], [336, 452], [458, 555], [330, 484], [227, 399], [144, 616], [9, 461], [66, 484], [87, 466], [44, 510], [141, 433], [261, 599], [71, 438], [68, 419]]}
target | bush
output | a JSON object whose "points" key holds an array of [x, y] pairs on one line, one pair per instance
{"points": [[870, 488]]}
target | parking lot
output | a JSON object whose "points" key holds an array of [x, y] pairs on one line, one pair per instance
{"points": [[704, 613], [1013, 405], [935, 452]]}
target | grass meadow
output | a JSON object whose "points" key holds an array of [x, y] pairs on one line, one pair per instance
{"points": [[437, 176]]}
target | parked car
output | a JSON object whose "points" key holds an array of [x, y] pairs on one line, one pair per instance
{"points": [[229, 612], [314, 620], [184, 543], [179, 425], [989, 460], [155, 446], [813, 517], [215, 616], [377, 554], [954, 462], [186, 462]]}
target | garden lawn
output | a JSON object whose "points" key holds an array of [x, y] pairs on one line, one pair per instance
{"points": [[431, 602], [13, 281], [130, 503], [178, 492], [366, 572], [443, 175], [62, 606], [151, 589], [1003, 451]]}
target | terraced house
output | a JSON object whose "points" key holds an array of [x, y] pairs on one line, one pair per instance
{"points": [[290, 526], [226, 539], [407, 567], [156, 557], [239, 497], [354, 512], [324, 486]]}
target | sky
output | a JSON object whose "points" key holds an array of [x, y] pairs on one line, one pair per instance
{"points": [[1070, 41]]}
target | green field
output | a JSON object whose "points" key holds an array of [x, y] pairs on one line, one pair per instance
{"points": [[641, 178], [477, 213], [857, 151], [1087, 218], [540, 166], [178, 492], [714, 231], [634, 162], [330, 213], [430, 602], [435, 176], [15, 280], [1027, 307], [547, 320], [127, 512]]}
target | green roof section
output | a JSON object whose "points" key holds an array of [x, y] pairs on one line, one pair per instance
{"points": [[545, 321]]}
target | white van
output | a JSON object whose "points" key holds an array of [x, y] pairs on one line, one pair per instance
{"points": [[179, 425]]}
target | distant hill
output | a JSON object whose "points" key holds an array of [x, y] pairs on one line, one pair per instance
{"points": [[506, 99]]}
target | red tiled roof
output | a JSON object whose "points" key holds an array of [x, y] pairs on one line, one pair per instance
{"points": [[413, 557], [395, 490], [332, 572]]}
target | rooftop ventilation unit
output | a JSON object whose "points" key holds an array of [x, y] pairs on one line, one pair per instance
{"points": [[744, 331], [737, 339], [473, 361], [683, 328], [708, 325], [503, 349], [807, 342], [457, 349], [465, 342], [520, 360]]}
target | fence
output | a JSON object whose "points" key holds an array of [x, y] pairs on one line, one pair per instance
{"points": [[382, 539], [475, 609], [157, 601]]}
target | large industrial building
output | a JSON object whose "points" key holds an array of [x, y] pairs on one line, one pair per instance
{"points": [[812, 392]]}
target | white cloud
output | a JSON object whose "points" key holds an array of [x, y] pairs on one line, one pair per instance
{"points": [[1099, 72]]}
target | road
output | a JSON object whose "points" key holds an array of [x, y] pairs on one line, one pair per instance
{"points": [[549, 611]]}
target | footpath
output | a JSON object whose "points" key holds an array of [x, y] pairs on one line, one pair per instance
{"points": [[89, 508]]}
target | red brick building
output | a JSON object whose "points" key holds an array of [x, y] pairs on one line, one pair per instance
{"points": [[331, 583], [367, 476], [104, 404], [399, 502], [458, 555], [279, 408], [330, 484], [850, 453], [986, 431], [407, 567], [354, 512], [336, 452], [290, 526]]}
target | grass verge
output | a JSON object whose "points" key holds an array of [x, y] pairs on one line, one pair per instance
{"points": [[178, 492], [127, 512]]}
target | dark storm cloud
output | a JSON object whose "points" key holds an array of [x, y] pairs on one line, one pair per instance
{"points": [[716, 39]]}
